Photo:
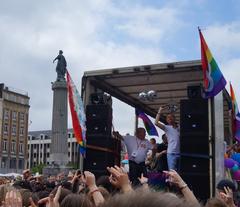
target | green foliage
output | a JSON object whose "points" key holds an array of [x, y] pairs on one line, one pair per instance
{"points": [[38, 168], [72, 165]]}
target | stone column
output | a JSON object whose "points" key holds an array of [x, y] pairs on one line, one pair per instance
{"points": [[59, 145]]}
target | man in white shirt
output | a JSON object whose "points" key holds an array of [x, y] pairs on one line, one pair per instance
{"points": [[173, 133], [137, 148]]}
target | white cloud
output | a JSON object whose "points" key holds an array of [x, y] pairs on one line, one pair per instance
{"points": [[225, 38], [232, 73], [93, 34], [31, 40], [149, 23]]}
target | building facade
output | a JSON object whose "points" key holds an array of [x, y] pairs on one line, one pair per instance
{"points": [[39, 144], [14, 113]]}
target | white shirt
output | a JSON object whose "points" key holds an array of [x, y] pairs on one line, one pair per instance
{"points": [[137, 146], [173, 139]]}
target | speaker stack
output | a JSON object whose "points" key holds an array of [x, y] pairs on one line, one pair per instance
{"points": [[194, 143], [102, 149]]}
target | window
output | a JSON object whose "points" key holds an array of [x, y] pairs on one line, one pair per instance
{"points": [[5, 128], [22, 116], [4, 162], [14, 115], [13, 147], [14, 128], [21, 148], [4, 145], [21, 164], [21, 131], [6, 114], [13, 163]]}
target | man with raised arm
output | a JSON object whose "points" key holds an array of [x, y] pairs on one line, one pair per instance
{"points": [[172, 132], [137, 148]]}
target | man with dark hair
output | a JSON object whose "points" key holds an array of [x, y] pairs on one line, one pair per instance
{"points": [[161, 155], [137, 148]]}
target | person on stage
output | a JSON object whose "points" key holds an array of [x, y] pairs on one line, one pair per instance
{"points": [[172, 132], [137, 148]]}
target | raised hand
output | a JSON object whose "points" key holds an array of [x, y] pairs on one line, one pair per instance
{"points": [[119, 178], [227, 197], [142, 179], [90, 180], [175, 178]]}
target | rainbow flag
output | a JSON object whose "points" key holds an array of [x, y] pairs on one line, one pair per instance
{"points": [[149, 126], [236, 115], [78, 114], [214, 81]]}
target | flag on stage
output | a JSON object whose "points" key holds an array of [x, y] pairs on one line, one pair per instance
{"points": [[149, 126], [236, 115], [214, 81], [78, 114]]}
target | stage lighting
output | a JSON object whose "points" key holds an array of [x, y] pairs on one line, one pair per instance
{"points": [[151, 95], [147, 96], [143, 96]]}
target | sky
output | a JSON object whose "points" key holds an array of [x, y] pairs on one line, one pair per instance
{"points": [[102, 34]]}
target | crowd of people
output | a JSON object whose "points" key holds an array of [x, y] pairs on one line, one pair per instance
{"points": [[119, 188], [113, 190]]}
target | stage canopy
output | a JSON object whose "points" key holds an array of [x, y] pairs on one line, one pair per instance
{"points": [[169, 80]]}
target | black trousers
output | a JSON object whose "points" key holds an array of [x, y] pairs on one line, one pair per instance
{"points": [[135, 171]]}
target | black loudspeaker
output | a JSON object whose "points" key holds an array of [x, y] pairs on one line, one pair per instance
{"points": [[102, 150], [106, 142], [194, 126], [194, 164], [97, 161], [199, 184], [99, 120], [194, 91], [102, 153], [195, 172], [194, 145]]}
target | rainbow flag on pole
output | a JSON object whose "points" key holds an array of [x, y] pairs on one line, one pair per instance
{"points": [[214, 81], [78, 114], [149, 126], [236, 115]]}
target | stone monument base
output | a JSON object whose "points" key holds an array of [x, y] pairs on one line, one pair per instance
{"points": [[55, 170]]}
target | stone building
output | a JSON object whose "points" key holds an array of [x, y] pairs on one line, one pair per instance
{"points": [[14, 113], [39, 143]]}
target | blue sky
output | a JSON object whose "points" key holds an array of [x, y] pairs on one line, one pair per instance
{"points": [[99, 34]]}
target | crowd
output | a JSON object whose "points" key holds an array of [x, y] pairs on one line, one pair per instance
{"points": [[118, 188], [113, 190]]}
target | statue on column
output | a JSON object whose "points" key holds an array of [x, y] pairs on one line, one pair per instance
{"points": [[61, 66]]}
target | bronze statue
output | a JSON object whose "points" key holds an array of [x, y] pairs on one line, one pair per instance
{"points": [[61, 66]]}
